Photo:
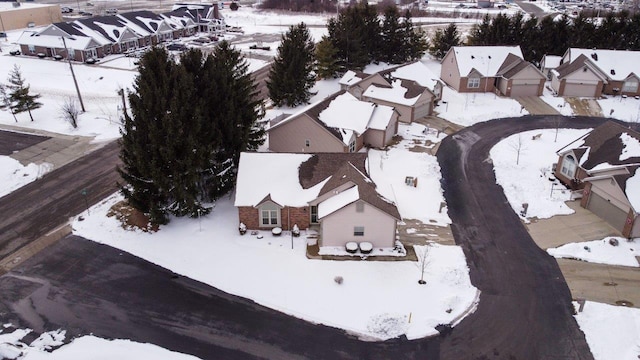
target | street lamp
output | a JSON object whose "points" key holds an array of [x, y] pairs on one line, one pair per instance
{"points": [[86, 203], [447, 105]]}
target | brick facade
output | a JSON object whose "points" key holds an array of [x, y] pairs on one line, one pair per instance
{"points": [[250, 216], [586, 192], [628, 224]]}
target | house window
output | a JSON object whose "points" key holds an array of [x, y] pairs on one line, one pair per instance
{"points": [[32, 49], [569, 166], [269, 215], [359, 206], [630, 86], [358, 231], [352, 146], [473, 83], [307, 143], [314, 214]]}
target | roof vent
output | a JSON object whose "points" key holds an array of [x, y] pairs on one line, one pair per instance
{"points": [[594, 56], [489, 57], [613, 72], [473, 57]]}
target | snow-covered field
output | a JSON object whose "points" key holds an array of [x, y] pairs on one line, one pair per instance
{"points": [[209, 247]]}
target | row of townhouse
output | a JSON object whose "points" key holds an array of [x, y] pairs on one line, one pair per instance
{"points": [[577, 73], [100, 36]]}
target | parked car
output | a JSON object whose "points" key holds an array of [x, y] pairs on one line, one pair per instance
{"points": [[176, 47], [91, 61], [202, 40], [66, 10], [112, 11], [3, 34], [14, 52], [58, 57], [85, 13], [41, 55]]}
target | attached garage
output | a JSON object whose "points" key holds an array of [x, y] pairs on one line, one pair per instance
{"points": [[580, 90], [602, 207], [422, 110], [524, 90]]}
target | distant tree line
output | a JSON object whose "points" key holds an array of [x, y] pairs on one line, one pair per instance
{"points": [[552, 36]]}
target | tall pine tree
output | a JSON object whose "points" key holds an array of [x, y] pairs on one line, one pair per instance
{"points": [[326, 59], [444, 40], [392, 42], [415, 40], [20, 98], [291, 76]]}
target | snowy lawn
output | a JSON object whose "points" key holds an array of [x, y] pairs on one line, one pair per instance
{"points": [[612, 332], [374, 301], [13, 175], [625, 109], [390, 168], [526, 180], [86, 347], [601, 251]]}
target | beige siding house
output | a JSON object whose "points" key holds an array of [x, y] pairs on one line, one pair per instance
{"points": [[592, 72], [499, 69], [19, 15], [328, 192], [603, 163], [340, 123]]}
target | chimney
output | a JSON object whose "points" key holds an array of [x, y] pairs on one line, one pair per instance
{"points": [[216, 11]]}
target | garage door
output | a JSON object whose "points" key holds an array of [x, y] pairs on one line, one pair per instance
{"points": [[421, 111], [524, 90], [580, 90], [607, 211]]}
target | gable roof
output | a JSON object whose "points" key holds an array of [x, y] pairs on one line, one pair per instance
{"points": [[352, 77], [297, 179], [512, 65], [342, 114], [417, 72], [486, 60], [573, 66], [551, 61], [610, 143], [615, 64], [52, 41]]}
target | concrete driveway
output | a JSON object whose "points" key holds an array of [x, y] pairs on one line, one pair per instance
{"points": [[596, 282]]}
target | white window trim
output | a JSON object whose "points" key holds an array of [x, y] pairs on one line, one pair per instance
{"points": [[270, 208], [473, 83], [352, 146], [630, 85], [569, 167], [311, 213]]}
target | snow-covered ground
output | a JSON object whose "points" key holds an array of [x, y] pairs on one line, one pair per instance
{"points": [[86, 347], [625, 253], [612, 332], [524, 175], [357, 304]]}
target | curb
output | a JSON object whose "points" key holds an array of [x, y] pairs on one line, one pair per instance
{"points": [[34, 247]]}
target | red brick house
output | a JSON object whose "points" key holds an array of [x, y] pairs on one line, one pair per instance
{"points": [[328, 191]]}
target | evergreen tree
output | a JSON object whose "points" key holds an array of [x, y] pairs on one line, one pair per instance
{"points": [[415, 40], [529, 39], [444, 40], [326, 59], [392, 38], [582, 32], [291, 76], [19, 97], [480, 33], [143, 167], [236, 108], [356, 37]]}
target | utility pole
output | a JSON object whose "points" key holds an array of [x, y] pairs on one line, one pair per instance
{"points": [[73, 75], [6, 38]]}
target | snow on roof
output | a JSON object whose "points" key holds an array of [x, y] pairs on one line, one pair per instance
{"points": [[349, 78], [9, 6], [348, 114], [552, 61], [51, 41], [616, 64], [134, 27], [273, 174], [630, 146], [97, 36], [338, 201], [381, 117], [417, 72], [633, 190], [394, 94], [485, 59]]}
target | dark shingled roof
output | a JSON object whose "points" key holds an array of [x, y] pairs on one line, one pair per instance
{"points": [[343, 168], [134, 15], [70, 29], [92, 23], [570, 67], [606, 146], [508, 69]]}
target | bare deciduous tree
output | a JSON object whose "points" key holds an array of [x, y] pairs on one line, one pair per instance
{"points": [[518, 146], [69, 112], [423, 261]]}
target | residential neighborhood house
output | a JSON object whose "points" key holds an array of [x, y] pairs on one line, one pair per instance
{"points": [[327, 192], [411, 99], [340, 123], [19, 15], [593, 72], [548, 63], [499, 69], [100, 36], [603, 163]]}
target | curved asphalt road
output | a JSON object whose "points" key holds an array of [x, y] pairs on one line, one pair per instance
{"points": [[524, 310]]}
